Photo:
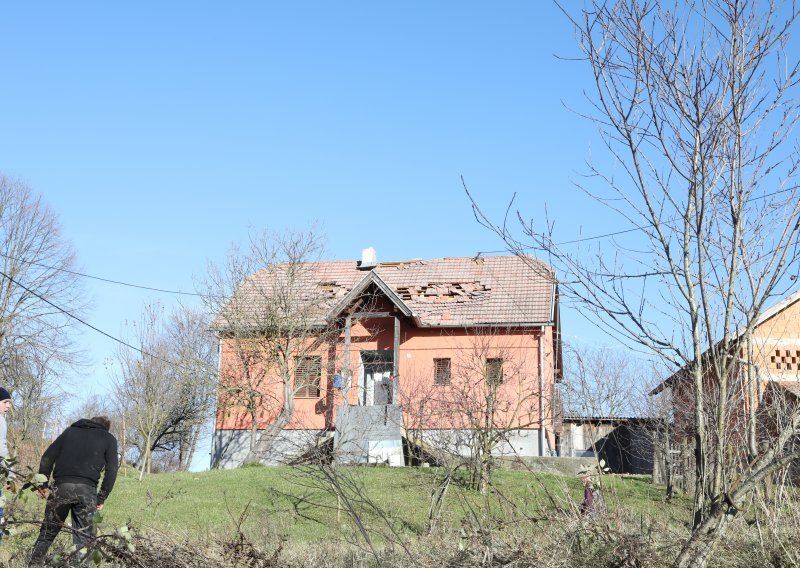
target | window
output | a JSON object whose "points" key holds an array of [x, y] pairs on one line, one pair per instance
{"points": [[494, 371], [307, 374], [441, 371]]}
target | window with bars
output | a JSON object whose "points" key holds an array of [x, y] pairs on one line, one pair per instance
{"points": [[441, 371], [307, 375], [494, 371]]}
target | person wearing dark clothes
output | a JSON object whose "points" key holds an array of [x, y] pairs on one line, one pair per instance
{"points": [[76, 459]]}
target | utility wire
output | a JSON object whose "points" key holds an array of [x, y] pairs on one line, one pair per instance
{"points": [[180, 293], [90, 326], [101, 279], [624, 231]]}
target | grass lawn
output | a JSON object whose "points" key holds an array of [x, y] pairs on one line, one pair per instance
{"points": [[300, 504], [270, 505], [295, 513]]}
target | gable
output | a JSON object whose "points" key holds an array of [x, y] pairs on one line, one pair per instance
{"points": [[775, 343], [372, 279]]}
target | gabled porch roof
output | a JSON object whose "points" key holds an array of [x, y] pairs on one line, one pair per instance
{"points": [[372, 278]]}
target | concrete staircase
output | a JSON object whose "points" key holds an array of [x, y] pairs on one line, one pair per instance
{"points": [[369, 435]]}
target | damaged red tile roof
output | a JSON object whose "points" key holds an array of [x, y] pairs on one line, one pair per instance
{"points": [[443, 292]]}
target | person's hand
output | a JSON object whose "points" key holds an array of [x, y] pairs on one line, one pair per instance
{"points": [[43, 492], [100, 506]]}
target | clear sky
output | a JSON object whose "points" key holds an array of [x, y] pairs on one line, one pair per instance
{"points": [[162, 132]]}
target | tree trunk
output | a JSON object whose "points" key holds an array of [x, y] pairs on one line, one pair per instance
{"points": [[267, 438], [252, 453], [146, 459]]}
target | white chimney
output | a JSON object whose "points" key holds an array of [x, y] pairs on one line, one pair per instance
{"points": [[369, 258]]}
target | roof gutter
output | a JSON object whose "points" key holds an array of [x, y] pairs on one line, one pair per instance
{"points": [[485, 324]]}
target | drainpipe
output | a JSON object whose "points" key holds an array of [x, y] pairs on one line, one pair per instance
{"points": [[211, 463], [541, 391]]}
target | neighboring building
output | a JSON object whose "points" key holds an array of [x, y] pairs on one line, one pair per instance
{"points": [[771, 353], [416, 345], [765, 382], [625, 444]]}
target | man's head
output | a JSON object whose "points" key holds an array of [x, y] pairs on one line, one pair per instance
{"points": [[103, 421], [5, 400]]}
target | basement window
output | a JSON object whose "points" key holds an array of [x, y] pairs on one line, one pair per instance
{"points": [[307, 375], [441, 371], [494, 371]]}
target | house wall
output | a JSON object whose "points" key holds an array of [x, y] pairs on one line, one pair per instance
{"points": [[776, 357], [776, 345], [426, 406], [578, 438]]}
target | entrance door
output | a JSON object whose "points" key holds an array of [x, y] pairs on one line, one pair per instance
{"points": [[378, 388]]}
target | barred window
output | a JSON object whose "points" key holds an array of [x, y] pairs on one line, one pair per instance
{"points": [[441, 371], [494, 371], [307, 375]]}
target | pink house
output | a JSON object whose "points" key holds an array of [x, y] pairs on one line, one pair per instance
{"points": [[422, 354]]}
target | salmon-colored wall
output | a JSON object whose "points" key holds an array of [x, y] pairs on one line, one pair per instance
{"points": [[425, 405]]}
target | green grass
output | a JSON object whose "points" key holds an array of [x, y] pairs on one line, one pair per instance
{"points": [[207, 511], [300, 504]]}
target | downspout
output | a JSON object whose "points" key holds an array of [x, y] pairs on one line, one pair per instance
{"points": [[348, 375], [541, 392], [557, 322], [395, 382], [216, 406]]}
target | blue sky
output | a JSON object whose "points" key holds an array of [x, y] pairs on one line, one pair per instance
{"points": [[160, 133]]}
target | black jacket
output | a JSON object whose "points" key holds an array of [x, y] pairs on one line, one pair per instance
{"points": [[80, 454]]}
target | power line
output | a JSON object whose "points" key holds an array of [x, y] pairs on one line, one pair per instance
{"points": [[624, 231], [101, 279], [90, 326]]}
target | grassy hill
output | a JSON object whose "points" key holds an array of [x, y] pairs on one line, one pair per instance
{"points": [[301, 504], [282, 516]]}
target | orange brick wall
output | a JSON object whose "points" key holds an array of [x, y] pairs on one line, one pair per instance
{"points": [[776, 345]]}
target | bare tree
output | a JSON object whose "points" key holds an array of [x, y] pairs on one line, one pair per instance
{"points": [[144, 394], [192, 349], [38, 291], [486, 395], [32, 383], [606, 401], [268, 320], [165, 390], [601, 381], [696, 103]]}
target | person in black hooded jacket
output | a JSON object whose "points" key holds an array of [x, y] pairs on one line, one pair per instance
{"points": [[76, 459]]}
